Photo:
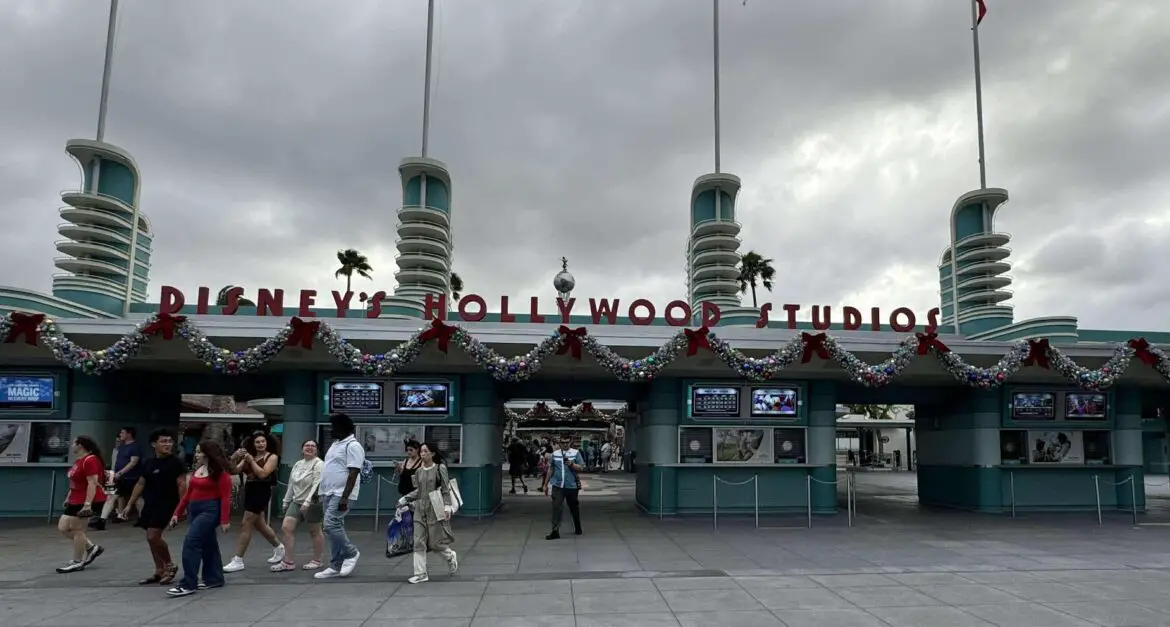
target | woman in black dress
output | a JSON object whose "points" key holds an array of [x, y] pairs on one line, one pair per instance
{"points": [[406, 468], [161, 486], [258, 462]]}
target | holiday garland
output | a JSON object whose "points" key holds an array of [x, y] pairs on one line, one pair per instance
{"points": [[37, 329], [583, 411]]}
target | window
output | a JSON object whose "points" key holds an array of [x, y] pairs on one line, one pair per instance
{"points": [[695, 445]]}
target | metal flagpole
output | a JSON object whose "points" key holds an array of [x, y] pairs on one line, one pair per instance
{"points": [[978, 93], [426, 128], [716, 65], [101, 129]]}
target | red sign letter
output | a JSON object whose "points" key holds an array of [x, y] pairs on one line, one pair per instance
{"points": [[203, 301], [932, 320], [342, 302], [534, 316], [817, 323], [566, 308], [681, 320], [308, 299], [762, 322], [711, 314], [852, 318], [270, 302], [478, 301], [435, 309], [504, 315], [646, 320], [910, 321], [597, 310], [875, 319], [791, 311], [374, 308], [231, 300], [170, 301]]}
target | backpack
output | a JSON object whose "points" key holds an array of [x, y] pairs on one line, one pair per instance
{"points": [[366, 474]]}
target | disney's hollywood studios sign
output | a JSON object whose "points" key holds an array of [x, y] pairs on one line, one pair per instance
{"points": [[474, 308]]}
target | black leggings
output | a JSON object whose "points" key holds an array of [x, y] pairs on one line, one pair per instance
{"points": [[560, 496]]}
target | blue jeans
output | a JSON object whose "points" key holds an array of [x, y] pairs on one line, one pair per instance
{"points": [[340, 548], [201, 546]]}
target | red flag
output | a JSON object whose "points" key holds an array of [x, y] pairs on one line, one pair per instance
{"points": [[982, 8]]}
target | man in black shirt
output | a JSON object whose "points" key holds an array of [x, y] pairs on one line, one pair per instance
{"points": [[517, 455], [161, 486]]}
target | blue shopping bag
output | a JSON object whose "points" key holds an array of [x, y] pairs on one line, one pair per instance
{"points": [[400, 534]]}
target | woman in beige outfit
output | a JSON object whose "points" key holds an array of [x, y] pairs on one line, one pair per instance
{"points": [[432, 530]]}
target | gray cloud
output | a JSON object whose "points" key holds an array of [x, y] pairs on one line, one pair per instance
{"points": [[269, 134]]}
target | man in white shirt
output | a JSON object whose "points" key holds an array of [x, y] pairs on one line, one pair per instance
{"points": [[339, 486]]}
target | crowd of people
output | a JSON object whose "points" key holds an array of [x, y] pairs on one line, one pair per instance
{"points": [[164, 491], [557, 464]]}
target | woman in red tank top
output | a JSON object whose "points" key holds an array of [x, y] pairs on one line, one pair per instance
{"points": [[207, 504], [85, 495]]}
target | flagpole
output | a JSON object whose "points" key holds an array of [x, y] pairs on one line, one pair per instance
{"points": [[716, 85], [426, 125], [109, 62], [978, 93]]}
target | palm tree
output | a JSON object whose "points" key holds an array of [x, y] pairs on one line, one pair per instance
{"points": [[754, 270], [221, 298], [352, 262], [456, 286]]}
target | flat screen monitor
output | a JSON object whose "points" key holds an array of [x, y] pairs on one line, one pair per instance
{"points": [[27, 392], [1034, 406], [775, 402], [714, 402], [356, 397], [421, 398], [1084, 406]]}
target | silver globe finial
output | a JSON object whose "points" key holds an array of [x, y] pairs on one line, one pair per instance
{"points": [[564, 282]]}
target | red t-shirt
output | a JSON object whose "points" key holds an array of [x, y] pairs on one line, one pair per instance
{"points": [[207, 489], [79, 474]]}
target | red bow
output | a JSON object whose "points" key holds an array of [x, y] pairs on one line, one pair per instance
{"points": [[26, 325], [438, 331], [1141, 350], [586, 408], [164, 324], [813, 343], [928, 341], [1037, 353], [697, 340], [303, 332], [572, 341]]}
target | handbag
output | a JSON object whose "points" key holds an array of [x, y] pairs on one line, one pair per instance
{"points": [[400, 533], [438, 504]]}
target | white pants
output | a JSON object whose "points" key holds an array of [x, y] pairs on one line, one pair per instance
{"points": [[420, 558]]}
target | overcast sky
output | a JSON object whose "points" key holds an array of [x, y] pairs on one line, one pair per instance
{"points": [[269, 133]]}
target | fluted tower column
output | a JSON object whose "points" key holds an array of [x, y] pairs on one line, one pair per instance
{"points": [[713, 248], [972, 272], [425, 245]]}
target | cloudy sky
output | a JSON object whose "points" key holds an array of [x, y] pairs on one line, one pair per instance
{"points": [[269, 134]]}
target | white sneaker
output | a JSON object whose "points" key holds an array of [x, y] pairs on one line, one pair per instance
{"points": [[453, 563], [328, 573], [348, 565], [236, 565], [418, 579], [277, 555]]}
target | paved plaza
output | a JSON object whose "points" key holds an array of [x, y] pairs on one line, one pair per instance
{"points": [[897, 566]]}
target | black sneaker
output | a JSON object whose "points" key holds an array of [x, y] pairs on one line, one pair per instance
{"points": [[180, 591], [556, 535], [71, 567], [92, 553], [577, 531], [98, 524], [203, 586]]}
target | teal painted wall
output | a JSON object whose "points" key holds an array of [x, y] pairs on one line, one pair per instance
{"points": [[704, 207], [118, 181], [983, 324], [437, 195], [969, 221], [105, 303], [412, 194]]}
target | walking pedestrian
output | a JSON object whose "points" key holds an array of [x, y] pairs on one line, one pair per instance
{"points": [[85, 491], [207, 504], [432, 513], [406, 468], [299, 505], [257, 463], [161, 486], [339, 486], [517, 456], [564, 465]]}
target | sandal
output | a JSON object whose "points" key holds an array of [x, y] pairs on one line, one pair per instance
{"points": [[153, 579], [169, 573], [283, 566], [313, 565]]}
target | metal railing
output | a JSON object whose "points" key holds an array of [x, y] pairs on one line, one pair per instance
{"points": [[1132, 495], [850, 497]]}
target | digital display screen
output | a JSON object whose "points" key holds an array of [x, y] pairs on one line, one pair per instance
{"points": [[27, 392], [421, 398], [363, 397], [1034, 406], [774, 402], [1084, 406], [713, 402]]}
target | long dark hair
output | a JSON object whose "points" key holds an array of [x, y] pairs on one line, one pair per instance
{"points": [[90, 446], [436, 456], [269, 439], [213, 457]]}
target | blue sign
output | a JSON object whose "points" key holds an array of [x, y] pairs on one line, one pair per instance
{"points": [[27, 392]]}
